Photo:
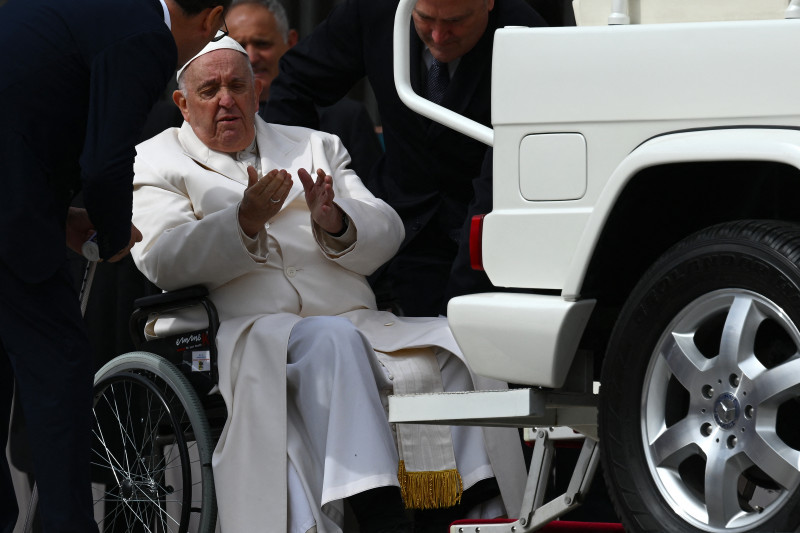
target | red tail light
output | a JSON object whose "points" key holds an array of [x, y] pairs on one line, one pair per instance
{"points": [[475, 242]]}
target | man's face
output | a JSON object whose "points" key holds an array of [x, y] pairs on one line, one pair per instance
{"points": [[255, 28], [220, 102], [451, 28]]}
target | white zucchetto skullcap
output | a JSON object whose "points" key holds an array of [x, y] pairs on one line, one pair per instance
{"points": [[222, 44]]}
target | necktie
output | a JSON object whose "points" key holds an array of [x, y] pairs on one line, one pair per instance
{"points": [[438, 78]]}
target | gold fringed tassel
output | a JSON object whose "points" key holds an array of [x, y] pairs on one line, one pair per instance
{"points": [[430, 490]]}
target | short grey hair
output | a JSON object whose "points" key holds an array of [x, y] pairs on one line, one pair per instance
{"points": [[277, 10]]}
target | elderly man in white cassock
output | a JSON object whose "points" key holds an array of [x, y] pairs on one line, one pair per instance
{"points": [[305, 358]]}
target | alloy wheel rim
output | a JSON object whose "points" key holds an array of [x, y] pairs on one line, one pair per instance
{"points": [[712, 411]]}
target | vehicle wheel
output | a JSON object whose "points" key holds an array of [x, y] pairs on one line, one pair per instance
{"points": [[700, 396], [151, 449]]}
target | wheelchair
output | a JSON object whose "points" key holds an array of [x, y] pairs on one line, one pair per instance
{"points": [[156, 425]]}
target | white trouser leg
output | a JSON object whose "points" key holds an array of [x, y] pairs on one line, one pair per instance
{"points": [[338, 436]]}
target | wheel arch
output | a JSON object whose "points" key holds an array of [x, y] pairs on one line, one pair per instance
{"points": [[670, 187]]}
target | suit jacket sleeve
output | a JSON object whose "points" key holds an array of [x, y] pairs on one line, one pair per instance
{"points": [[320, 69], [127, 78], [350, 121]]}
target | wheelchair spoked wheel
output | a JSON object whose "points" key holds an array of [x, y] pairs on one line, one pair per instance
{"points": [[151, 449]]}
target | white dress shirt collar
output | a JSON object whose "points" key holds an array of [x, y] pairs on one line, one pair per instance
{"points": [[167, 19], [249, 156]]}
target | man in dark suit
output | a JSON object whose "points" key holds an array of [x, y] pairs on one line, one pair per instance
{"points": [[262, 28], [105, 63], [427, 171]]}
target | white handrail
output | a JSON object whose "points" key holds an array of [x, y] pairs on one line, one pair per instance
{"points": [[402, 80], [793, 11], [619, 13]]}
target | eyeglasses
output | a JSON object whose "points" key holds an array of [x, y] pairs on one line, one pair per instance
{"points": [[221, 33]]}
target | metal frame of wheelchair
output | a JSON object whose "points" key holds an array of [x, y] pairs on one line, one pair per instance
{"points": [[156, 426]]}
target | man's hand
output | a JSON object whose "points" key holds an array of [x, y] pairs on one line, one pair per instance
{"points": [[79, 228], [262, 199], [136, 236], [319, 197]]}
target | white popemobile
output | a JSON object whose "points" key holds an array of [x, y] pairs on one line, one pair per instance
{"points": [[646, 190]]}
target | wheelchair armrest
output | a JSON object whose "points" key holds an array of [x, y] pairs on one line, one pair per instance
{"points": [[172, 301], [193, 293]]}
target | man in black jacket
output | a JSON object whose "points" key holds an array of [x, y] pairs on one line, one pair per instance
{"points": [[427, 171], [105, 63]]}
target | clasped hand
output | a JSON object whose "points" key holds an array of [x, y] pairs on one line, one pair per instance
{"points": [[80, 229], [263, 199]]}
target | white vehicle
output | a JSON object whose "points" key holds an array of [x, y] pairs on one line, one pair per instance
{"points": [[647, 199]]}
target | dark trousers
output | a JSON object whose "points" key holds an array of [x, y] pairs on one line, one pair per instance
{"points": [[435, 265], [418, 275], [45, 349]]}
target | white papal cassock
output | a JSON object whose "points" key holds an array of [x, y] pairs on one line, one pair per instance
{"points": [[336, 436]]}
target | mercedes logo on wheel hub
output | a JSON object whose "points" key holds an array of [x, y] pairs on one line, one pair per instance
{"points": [[726, 410]]}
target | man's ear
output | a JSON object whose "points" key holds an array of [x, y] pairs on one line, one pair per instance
{"points": [[293, 38], [212, 21], [259, 84], [180, 101]]}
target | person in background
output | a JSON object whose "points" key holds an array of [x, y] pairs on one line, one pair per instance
{"points": [[106, 63], [426, 173], [262, 28]]}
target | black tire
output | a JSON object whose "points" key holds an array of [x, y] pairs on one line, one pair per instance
{"points": [[151, 441], [700, 392]]}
